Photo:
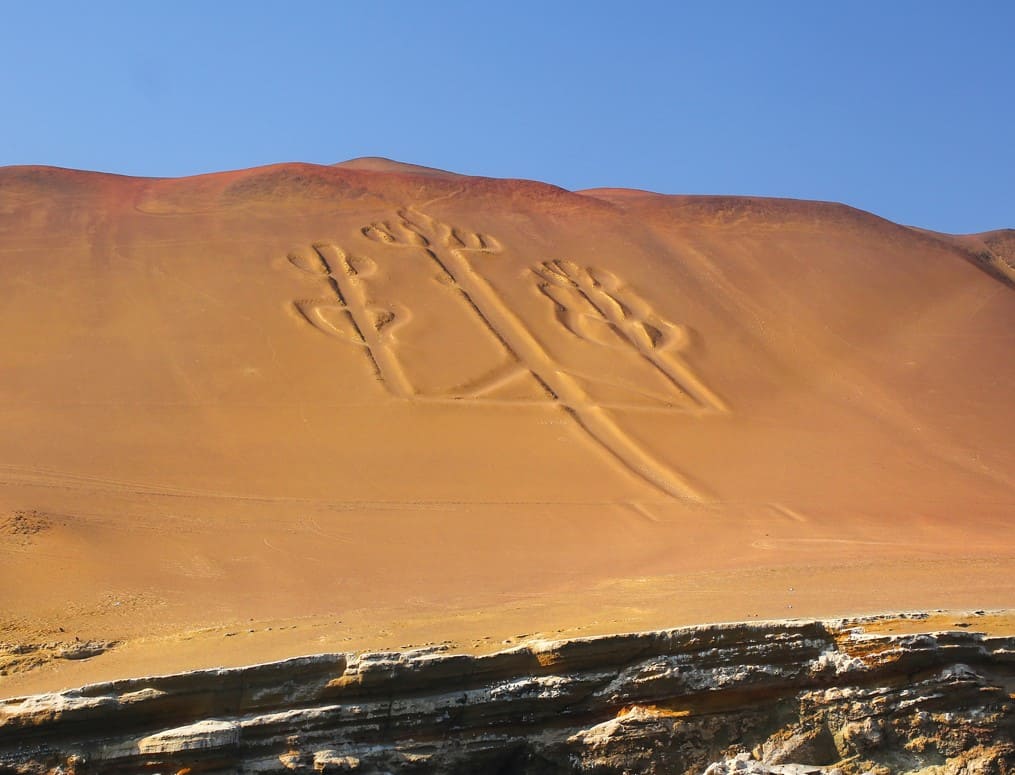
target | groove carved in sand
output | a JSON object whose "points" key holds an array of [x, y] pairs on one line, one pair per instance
{"points": [[347, 311], [595, 306]]}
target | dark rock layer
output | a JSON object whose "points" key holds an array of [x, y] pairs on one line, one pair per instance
{"points": [[725, 698]]}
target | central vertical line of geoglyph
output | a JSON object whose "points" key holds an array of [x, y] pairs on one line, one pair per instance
{"points": [[590, 304]]}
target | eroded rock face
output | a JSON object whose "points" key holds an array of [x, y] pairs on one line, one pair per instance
{"points": [[789, 698]]}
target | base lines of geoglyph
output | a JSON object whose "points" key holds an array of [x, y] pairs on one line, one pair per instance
{"points": [[591, 304]]}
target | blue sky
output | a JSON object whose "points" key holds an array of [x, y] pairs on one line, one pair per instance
{"points": [[903, 108]]}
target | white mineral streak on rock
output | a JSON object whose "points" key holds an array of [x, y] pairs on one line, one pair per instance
{"points": [[838, 662], [743, 764], [40, 708], [202, 736], [541, 687]]}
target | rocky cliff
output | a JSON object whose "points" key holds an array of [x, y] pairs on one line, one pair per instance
{"points": [[754, 698]]}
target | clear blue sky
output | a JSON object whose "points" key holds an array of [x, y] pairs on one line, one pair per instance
{"points": [[906, 109]]}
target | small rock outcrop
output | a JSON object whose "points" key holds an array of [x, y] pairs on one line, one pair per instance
{"points": [[789, 698]]}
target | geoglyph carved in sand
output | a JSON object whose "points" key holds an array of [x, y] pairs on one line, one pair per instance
{"points": [[594, 305], [591, 306]]}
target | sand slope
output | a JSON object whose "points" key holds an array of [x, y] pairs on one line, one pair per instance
{"points": [[381, 392]]}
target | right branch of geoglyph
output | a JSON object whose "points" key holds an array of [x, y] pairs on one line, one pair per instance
{"points": [[621, 319]]}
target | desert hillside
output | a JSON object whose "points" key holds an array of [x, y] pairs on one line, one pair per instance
{"points": [[275, 411]]}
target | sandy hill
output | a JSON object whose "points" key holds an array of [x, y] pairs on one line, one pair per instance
{"points": [[379, 403]]}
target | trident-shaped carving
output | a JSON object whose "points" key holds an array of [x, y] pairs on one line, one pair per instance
{"points": [[624, 319]]}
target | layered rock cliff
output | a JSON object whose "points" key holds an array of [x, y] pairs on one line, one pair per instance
{"points": [[785, 697]]}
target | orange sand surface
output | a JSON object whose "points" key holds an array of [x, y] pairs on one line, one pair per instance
{"points": [[299, 408]]}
